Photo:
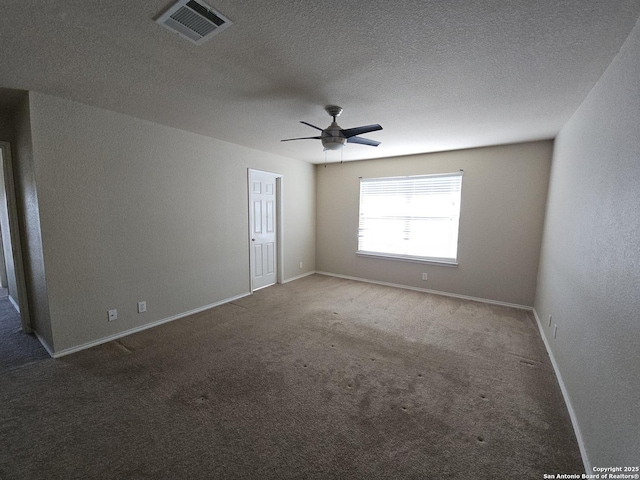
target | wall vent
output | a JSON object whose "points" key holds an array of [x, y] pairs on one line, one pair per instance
{"points": [[194, 20]]}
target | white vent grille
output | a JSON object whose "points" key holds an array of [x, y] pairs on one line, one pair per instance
{"points": [[194, 20]]}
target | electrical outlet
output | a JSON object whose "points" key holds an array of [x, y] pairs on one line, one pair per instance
{"points": [[300, 264], [142, 307], [549, 320], [425, 276], [555, 331], [113, 315]]}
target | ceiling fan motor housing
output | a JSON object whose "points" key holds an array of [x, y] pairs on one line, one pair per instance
{"points": [[333, 138]]}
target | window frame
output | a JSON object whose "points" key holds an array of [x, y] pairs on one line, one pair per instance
{"points": [[443, 261]]}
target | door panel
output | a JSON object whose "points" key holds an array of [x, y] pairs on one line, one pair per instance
{"points": [[257, 217], [258, 271], [270, 216], [271, 255]]}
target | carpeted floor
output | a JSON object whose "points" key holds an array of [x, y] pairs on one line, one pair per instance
{"points": [[16, 348], [320, 378]]}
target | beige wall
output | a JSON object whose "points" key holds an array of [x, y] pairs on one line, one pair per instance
{"points": [[589, 277], [503, 197], [131, 210]]}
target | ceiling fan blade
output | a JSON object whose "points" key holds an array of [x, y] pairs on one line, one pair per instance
{"points": [[363, 141], [351, 132], [301, 138], [312, 126]]}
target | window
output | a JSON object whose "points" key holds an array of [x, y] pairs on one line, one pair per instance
{"points": [[414, 218]]}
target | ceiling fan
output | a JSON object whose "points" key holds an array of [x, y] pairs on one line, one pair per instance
{"points": [[333, 137]]}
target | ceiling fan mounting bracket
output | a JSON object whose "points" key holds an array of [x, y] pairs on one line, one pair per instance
{"points": [[333, 110]]}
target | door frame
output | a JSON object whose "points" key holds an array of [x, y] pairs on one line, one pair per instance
{"points": [[14, 233], [279, 241]]}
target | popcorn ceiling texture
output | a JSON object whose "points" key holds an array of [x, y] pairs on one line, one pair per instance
{"points": [[436, 74]]}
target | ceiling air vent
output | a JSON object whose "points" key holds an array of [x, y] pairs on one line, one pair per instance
{"points": [[194, 20]]}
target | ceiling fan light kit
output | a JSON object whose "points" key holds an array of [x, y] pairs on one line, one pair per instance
{"points": [[334, 137]]}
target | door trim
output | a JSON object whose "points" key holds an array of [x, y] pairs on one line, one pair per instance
{"points": [[279, 223], [14, 232]]}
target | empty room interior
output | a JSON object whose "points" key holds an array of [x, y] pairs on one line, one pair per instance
{"points": [[319, 239]]}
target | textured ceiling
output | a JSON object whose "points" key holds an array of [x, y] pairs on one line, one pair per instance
{"points": [[436, 74]]}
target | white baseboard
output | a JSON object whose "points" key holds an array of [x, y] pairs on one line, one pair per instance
{"points": [[110, 338], [298, 277], [565, 395], [435, 292], [14, 303]]}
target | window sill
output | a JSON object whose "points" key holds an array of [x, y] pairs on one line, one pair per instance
{"points": [[429, 261]]}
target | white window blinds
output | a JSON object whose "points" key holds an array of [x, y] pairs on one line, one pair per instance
{"points": [[411, 217]]}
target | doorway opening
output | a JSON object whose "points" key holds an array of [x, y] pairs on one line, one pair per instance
{"points": [[13, 266], [265, 228]]}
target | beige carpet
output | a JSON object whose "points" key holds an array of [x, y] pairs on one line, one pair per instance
{"points": [[319, 378]]}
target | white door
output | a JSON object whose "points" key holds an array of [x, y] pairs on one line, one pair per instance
{"points": [[262, 218]]}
